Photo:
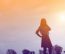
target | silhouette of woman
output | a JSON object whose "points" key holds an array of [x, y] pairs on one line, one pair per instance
{"points": [[43, 32]]}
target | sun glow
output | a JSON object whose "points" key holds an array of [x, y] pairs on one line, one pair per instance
{"points": [[62, 17]]}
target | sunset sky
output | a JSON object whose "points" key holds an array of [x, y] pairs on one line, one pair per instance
{"points": [[19, 20]]}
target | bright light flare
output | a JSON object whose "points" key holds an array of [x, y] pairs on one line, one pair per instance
{"points": [[62, 17]]}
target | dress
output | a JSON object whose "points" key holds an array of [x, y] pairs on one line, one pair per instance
{"points": [[45, 42]]}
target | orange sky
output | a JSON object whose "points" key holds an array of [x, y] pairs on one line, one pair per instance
{"points": [[13, 7], [30, 4]]}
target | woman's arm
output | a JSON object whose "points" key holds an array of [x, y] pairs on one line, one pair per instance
{"points": [[37, 32], [48, 28]]}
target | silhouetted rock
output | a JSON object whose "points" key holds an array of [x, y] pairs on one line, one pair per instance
{"points": [[40, 51], [11, 51], [57, 49], [32, 52], [26, 51]]}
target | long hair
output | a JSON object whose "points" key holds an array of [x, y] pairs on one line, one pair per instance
{"points": [[43, 22], [44, 25]]}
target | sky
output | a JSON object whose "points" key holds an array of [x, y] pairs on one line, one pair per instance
{"points": [[19, 20]]}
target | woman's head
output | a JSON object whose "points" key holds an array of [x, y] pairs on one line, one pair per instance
{"points": [[43, 22]]}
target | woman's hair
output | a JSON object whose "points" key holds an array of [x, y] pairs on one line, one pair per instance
{"points": [[43, 22]]}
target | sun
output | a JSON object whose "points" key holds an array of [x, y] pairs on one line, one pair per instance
{"points": [[62, 17]]}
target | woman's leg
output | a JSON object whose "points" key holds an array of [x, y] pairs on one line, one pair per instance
{"points": [[50, 50], [44, 50]]}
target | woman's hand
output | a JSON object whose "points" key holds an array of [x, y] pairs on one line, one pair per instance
{"points": [[38, 34]]}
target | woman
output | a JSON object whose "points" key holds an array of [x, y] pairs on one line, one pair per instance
{"points": [[43, 32]]}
